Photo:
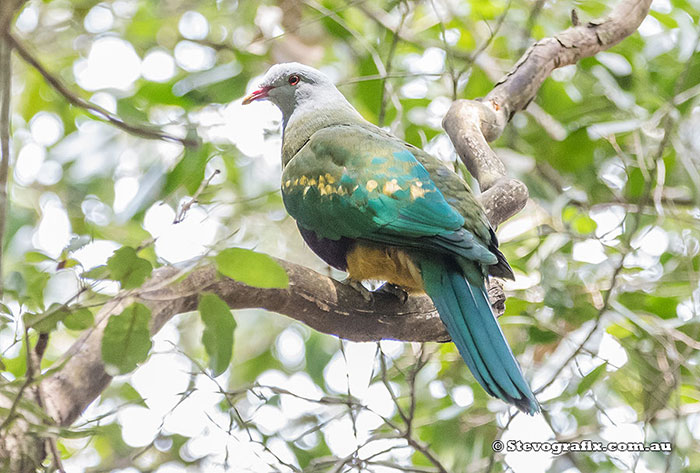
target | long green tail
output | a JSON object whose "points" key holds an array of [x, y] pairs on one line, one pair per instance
{"points": [[461, 300]]}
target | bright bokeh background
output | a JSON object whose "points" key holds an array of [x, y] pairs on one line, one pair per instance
{"points": [[614, 205]]}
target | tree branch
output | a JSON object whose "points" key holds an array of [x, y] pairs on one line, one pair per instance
{"points": [[322, 303], [471, 124], [5, 89], [141, 130]]}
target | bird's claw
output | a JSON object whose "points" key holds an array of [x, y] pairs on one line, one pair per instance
{"points": [[357, 285], [387, 288], [397, 291]]}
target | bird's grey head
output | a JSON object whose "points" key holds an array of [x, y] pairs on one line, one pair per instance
{"points": [[291, 85]]}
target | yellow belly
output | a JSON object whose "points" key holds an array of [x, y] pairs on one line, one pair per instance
{"points": [[385, 263]]}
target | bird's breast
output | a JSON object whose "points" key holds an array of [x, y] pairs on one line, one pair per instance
{"points": [[385, 263]]}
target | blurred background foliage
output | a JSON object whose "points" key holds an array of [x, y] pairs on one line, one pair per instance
{"points": [[604, 313]]}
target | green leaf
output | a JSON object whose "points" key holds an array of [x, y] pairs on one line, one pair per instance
{"points": [[635, 184], [98, 272], [68, 263], [660, 306], [542, 336], [30, 286], [591, 378], [368, 92], [126, 340], [584, 224], [217, 338], [46, 321], [131, 395], [619, 331], [127, 268], [252, 268], [189, 171], [74, 319], [79, 319], [36, 257]]}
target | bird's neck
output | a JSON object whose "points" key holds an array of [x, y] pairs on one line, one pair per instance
{"points": [[312, 116]]}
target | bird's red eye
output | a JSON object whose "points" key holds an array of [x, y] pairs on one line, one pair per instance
{"points": [[293, 79]]}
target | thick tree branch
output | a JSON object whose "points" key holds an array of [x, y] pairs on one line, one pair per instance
{"points": [[471, 124], [318, 301]]}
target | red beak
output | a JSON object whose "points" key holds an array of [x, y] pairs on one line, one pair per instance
{"points": [[256, 95]]}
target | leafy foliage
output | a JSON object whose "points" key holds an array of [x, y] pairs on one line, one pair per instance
{"points": [[603, 315], [127, 340], [251, 268], [127, 268], [219, 326]]}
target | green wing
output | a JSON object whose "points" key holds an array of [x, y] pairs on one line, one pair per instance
{"points": [[351, 181]]}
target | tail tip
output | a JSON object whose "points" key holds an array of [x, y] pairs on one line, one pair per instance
{"points": [[528, 405]]}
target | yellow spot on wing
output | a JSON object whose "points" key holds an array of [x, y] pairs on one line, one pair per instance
{"points": [[329, 179], [321, 180], [391, 186], [371, 185], [302, 181], [417, 191]]}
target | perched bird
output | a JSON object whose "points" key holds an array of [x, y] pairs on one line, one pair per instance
{"points": [[368, 203]]}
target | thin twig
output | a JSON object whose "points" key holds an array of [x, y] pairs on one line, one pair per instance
{"points": [[419, 364], [351, 410], [140, 130], [385, 381], [448, 51], [493, 32], [5, 86], [27, 381], [389, 64], [382, 77], [186, 206], [34, 358], [667, 126], [56, 455], [530, 24], [371, 50], [596, 325]]}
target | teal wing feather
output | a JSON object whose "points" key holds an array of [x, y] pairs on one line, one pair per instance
{"points": [[349, 181]]}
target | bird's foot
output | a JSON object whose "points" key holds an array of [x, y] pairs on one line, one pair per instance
{"points": [[357, 285], [397, 291]]}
